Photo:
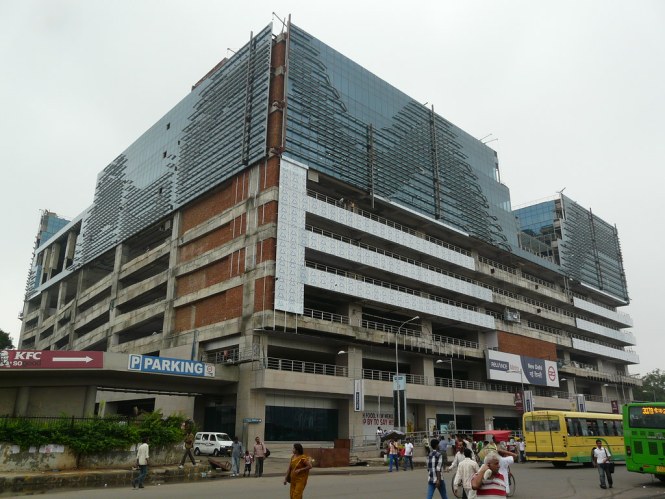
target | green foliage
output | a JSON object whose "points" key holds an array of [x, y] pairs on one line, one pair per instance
{"points": [[653, 387], [94, 435], [5, 340]]}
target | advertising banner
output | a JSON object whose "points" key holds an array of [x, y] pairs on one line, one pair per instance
{"points": [[503, 366], [50, 359]]}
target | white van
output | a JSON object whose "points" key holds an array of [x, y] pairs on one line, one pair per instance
{"points": [[212, 443]]}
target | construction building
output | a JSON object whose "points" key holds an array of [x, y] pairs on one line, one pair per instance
{"points": [[299, 221]]}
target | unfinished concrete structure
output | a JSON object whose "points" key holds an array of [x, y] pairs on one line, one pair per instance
{"points": [[299, 218]]}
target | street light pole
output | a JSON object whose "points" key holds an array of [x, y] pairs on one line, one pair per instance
{"points": [[395, 381], [452, 379]]}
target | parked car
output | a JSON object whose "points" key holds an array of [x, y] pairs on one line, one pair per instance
{"points": [[212, 443]]}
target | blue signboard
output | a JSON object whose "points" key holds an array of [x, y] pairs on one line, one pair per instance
{"points": [[165, 365]]}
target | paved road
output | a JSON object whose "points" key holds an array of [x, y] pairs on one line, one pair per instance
{"points": [[538, 481]]}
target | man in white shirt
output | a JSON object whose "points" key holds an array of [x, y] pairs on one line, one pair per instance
{"points": [[465, 470], [142, 456], [601, 459], [522, 447], [408, 454], [505, 460]]}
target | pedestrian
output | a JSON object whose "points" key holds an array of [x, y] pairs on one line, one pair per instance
{"points": [[434, 466], [188, 444], [506, 458], [488, 481], [465, 471], [298, 472], [142, 457], [259, 455], [602, 459], [521, 445], [236, 453], [248, 464], [408, 454], [393, 455], [457, 459], [444, 443]]}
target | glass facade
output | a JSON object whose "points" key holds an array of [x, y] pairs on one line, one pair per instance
{"points": [[49, 225], [298, 424], [346, 122], [212, 134], [590, 250]]}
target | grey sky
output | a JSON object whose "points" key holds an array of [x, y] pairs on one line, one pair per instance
{"points": [[574, 91]]}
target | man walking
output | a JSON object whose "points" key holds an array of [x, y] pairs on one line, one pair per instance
{"points": [[602, 459], [259, 456], [393, 456], [189, 443], [465, 471], [236, 453], [522, 447], [408, 454], [142, 456], [434, 466]]}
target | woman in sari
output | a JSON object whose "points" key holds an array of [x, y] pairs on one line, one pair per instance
{"points": [[298, 472]]}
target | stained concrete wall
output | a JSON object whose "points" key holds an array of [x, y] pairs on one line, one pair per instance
{"points": [[57, 457]]}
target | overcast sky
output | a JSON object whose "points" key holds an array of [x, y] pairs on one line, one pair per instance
{"points": [[573, 91]]}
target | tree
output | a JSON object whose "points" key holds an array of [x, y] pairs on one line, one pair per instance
{"points": [[5, 340], [653, 387]]}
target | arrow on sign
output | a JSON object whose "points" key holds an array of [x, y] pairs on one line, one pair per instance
{"points": [[72, 359]]}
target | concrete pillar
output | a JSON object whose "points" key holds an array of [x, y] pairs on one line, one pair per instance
{"points": [[22, 400], [487, 421], [88, 409], [426, 327], [355, 313], [43, 308], [70, 247], [350, 423], [62, 293], [121, 257], [251, 403], [54, 256], [169, 314]]}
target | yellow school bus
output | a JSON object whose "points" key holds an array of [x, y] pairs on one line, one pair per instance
{"points": [[563, 437]]}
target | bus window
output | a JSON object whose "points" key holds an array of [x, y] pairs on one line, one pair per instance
{"points": [[618, 428], [606, 430], [543, 425], [570, 426], [592, 427]]}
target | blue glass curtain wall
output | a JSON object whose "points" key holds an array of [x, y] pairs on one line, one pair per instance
{"points": [[348, 123], [212, 134]]}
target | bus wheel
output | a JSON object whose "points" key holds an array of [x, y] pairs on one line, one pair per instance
{"points": [[660, 477], [559, 464]]}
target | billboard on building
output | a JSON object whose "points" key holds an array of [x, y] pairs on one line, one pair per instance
{"points": [[513, 368]]}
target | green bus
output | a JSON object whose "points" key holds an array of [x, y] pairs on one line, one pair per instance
{"points": [[644, 438]]}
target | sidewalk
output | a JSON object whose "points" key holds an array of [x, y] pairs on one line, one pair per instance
{"points": [[24, 483]]}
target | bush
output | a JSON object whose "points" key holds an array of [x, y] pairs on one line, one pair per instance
{"points": [[94, 435]]}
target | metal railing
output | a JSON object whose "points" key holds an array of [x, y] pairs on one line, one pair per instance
{"points": [[389, 223], [388, 285], [306, 367]]}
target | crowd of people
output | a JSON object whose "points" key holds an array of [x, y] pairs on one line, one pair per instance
{"points": [[474, 465], [479, 469]]}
